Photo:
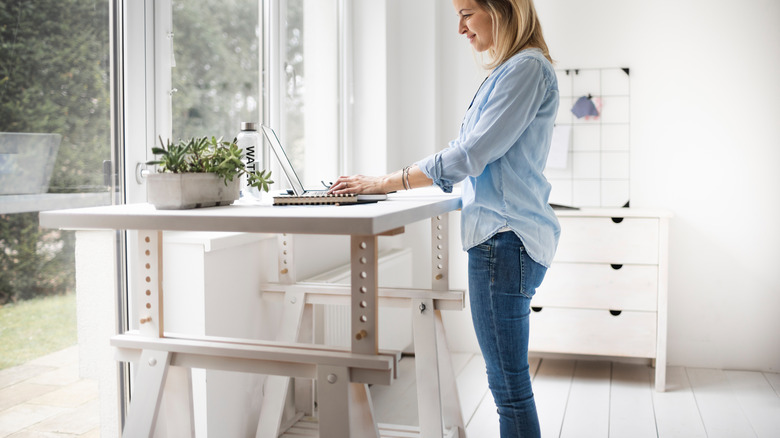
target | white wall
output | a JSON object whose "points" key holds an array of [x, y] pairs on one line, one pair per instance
{"points": [[705, 144]]}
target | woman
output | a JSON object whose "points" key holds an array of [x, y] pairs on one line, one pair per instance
{"points": [[508, 228]]}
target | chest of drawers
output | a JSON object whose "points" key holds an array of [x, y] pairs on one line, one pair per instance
{"points": [[606, 290]]}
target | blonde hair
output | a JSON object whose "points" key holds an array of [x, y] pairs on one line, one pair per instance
{"points": [[515, 27]]}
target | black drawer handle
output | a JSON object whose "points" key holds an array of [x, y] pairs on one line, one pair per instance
{"points": [[536, 309], [615, 312], [617, 220], [616, 267]]}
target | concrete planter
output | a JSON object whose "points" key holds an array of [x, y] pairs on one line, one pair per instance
{"points": [[178, 191]]}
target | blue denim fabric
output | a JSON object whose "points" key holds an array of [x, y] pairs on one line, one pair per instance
{"points": [[502, 280]]}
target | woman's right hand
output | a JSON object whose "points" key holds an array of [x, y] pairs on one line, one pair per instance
{"points": [[358, 184]]}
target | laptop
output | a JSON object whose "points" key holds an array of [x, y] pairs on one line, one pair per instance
{"points": [[299, 194]]}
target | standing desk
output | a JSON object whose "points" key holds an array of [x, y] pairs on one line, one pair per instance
{"points": [[342, 376]]}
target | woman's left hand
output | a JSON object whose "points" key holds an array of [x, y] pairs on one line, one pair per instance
{"points": [[358, 184]]}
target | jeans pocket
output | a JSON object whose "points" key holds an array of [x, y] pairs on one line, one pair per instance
{"points": [[532, 274]]}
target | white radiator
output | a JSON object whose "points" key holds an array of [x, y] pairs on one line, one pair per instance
{"points": [[331, 322]]}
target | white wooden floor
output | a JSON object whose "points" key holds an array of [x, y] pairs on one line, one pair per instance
{"points": [[590, 398]]}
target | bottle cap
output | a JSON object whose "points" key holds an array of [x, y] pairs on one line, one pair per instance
{"points": [[248, 126]]}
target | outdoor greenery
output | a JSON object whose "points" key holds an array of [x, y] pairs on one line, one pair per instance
{"points": [[36, 327], [53, 79], [216, 49]]}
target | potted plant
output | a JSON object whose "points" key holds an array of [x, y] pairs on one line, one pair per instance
{"points": [[199, 172]]}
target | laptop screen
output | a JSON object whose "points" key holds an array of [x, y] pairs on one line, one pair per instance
{"points": [[284, 161]]}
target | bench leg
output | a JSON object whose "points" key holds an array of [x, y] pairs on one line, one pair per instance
{"points": [[344, 408], [145, 403]]}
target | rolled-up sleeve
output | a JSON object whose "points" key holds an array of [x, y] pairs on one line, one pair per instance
{"points": [[505, 108], [432, 168]]}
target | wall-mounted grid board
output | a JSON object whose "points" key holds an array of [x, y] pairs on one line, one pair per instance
{"points": [[597, 172]]}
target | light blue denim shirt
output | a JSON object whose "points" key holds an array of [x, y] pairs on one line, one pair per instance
{"points": [[500, 154]]}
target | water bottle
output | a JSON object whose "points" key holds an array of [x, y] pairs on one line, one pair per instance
{"points": [[251, 154]]}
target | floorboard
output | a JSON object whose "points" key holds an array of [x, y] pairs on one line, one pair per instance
{"points": [[587, 410], [385, 399], [472, 386], [774, 380], [631, 402], [758, 400], [718, 406], [676, 412], [552, 384], [484, 422], [584, 398]]}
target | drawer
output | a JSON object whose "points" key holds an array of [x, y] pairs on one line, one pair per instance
{"points": [[599, 286], [586, 331], [608, 240]]}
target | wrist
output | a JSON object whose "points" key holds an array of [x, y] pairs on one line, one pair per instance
{"points": [[386, 184]]}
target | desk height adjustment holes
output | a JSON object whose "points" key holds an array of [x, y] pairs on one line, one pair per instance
{"points": [[439, 237], [363, 304], [147, 252], [148, 293], [363, 260], [363, 318], [363, 289], [148, 305], [147, 239], [439, 256], [439, 227], [439, 246], [363, 274], [148, 266], [148, 279], [363, 245]]}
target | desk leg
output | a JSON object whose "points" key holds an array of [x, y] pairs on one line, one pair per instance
{"points": [[176, 415], [145, 403], [438, 396], [277, 388], [345, 408], [426, 359], [364, 284], [451, 411]]}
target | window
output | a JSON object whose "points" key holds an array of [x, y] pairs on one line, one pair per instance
{"points": [[276, 63], [54, 139], [310, 106], [216, 76]]}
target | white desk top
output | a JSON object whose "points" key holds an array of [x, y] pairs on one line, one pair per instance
{"points": [[398, 210]]}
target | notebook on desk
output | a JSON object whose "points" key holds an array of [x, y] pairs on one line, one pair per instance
{"points": [[301, 196]]}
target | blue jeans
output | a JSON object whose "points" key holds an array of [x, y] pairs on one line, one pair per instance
{"points": [[502, 280]]}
